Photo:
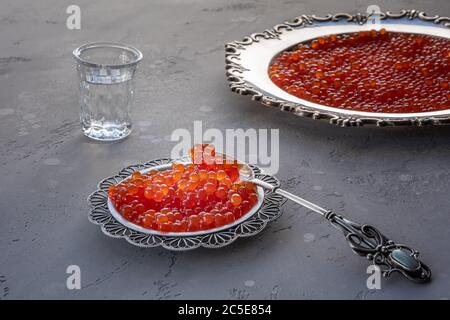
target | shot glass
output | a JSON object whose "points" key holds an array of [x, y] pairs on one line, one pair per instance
{"points": [[106, 80]]}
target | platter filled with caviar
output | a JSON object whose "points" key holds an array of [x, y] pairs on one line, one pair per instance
{"points": [[181, 204], [344, 69]]}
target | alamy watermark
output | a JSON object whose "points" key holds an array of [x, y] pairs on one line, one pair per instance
{"points": [[373, 282], [254, 146], [73, 281], [73, 21], [374, 17]]}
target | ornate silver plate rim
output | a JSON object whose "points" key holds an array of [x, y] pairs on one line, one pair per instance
{"points": [[267, 209], [247, 63]]}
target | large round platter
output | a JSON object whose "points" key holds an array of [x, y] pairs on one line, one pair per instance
{"points": [[113, 224], [247, 63]]}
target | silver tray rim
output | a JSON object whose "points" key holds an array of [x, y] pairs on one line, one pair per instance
{"points": [[241, 76]]}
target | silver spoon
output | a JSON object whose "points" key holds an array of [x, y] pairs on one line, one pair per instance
{"points": [[365, 240]]}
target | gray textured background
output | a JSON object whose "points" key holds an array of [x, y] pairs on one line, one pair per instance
{"points": [[395, 178]]}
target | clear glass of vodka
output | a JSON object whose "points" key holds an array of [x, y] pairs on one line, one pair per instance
{"points": [[106, 80]]}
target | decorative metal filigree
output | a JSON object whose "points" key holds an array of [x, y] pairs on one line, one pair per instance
{"points": [[369, 242], [238, 83], [100, 215]]}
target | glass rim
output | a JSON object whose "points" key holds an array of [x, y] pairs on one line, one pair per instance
{"points": [[92, 45]]}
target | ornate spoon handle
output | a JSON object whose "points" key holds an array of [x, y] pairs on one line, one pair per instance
{"points": [[368, 241]]}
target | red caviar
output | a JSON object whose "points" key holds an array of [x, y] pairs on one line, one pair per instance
{"points": [[373, 71], [186, 197]]}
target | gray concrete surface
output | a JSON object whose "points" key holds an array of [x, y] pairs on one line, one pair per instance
{"points": [[395, 178]]}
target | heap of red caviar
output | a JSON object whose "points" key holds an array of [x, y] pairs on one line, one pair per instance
{"points": [[188, 197], [373, 71]]}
